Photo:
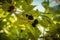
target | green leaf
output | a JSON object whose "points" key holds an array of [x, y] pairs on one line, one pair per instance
{"points": [[2, 24], [35, 32], [5, 7], [57, 11], [45, 4], [3, 36], [27, 7], [31, 36], [35, 13], [19, 3], [2, 1], [23, 39], [9, 1], [29, 1], [43, 23], [57, 29], [57, 18]]}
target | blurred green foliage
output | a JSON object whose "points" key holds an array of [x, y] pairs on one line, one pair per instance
{"points": [[16, 26]]}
